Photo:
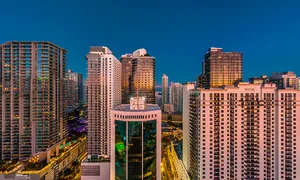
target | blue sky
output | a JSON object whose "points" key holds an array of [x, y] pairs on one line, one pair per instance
{"points": [[177, 33]]}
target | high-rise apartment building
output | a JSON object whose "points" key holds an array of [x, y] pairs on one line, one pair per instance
{"points": [[165, 90], [33, 108], [104, 93], [249, 131], [186, 124], [136, 140], [138, 74], [74, 90], [176, 96], [222, 68]]}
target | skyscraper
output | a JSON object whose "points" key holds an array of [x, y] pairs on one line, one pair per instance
{"points": [[222, 68], [104, 93], [176, 96], [136, 140], [138, 73], [126, 61], [33, 108], [249, 131], [74, 90], [165, 90], [186, 124]]}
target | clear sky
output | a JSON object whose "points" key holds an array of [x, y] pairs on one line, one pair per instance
{"points": [[177, 33]]}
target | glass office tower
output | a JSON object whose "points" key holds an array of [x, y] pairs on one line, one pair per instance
{"points": [[138, 75], [222, 68], [136, 141]]}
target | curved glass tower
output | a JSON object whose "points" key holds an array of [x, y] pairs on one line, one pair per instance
{"points": [[136, 141]]}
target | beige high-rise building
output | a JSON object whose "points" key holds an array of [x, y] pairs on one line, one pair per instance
{"points": [[176, 96], [138, 75], [104, 93], [33, 108], [165, 90], [248, 131], [186, 123]]}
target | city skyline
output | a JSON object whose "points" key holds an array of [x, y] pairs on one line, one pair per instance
{"points": [[250, 28]]}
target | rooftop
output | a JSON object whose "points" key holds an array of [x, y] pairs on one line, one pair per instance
{"points": [[96, 160], [126, 107]]}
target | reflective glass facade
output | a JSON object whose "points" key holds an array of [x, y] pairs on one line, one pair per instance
{"points": [[138, 73], [135, 150], [222, 68], [120, 149], [140, 162], [149, 150]]}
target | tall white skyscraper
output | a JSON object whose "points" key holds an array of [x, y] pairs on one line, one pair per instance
{"points": [[165, 90], [248, 131], [136, 141], [176, 96], [104, 93], [186, 125]]}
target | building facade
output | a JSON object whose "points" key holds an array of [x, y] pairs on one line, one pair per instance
{"points": [[222, 68], [165, 90], [136, 140], [186, 124], [259, 80], [176, 96], [245, 132], [201, 81], [126, 61], [33, 108], [104, 93], [138, 75], [74, 90], [285, 80]]}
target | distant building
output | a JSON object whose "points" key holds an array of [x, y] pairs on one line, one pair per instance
{"points": [[222, 68], [176, 96], [136, 140], [158, 98], [165, 90], [84, 93], [201, 81], [172, 117], [247, 131], [168, 108], [138, 74], [74, 90], [285, 80], [104, 93], [259, 80], [33, 101]]}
